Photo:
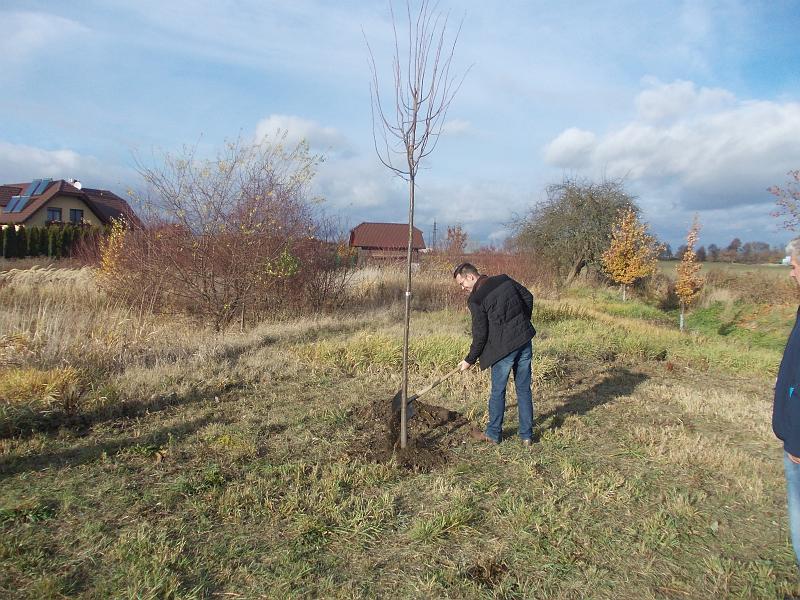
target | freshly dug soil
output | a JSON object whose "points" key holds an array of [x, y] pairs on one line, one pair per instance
{"points": [[432, 434]]}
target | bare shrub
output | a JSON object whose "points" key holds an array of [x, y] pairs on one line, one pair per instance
{"points": [[537, 275], [230, 238]]}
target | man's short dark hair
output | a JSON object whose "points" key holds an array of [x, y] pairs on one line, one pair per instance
{"points": [[465, 269]]}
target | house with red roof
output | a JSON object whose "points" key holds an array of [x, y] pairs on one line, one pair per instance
{"points": [[385, 241], [44, 201]]}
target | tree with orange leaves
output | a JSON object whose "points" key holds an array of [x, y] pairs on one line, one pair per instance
{"points": [[633, 252], [689, 282]]}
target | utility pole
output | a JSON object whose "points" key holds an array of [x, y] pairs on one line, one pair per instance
{"points": [[433, 243]]}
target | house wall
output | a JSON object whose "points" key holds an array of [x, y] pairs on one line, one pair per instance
{"points": [[366, 255], [65, 203]]}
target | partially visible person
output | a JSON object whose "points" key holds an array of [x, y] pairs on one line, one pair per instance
{"points": [[501, 339], [786, 410]]}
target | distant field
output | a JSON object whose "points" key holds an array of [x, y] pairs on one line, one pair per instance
{"points": [[668, 268]]}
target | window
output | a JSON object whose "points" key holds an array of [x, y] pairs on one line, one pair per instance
{"points": [[53, 214], [75, 215]]}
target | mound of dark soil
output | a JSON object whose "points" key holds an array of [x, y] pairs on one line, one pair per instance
{"points": [[432, 434]]}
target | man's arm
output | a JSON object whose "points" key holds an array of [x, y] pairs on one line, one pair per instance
{"points": [[791, 416], [480, 332], [526, 296]]}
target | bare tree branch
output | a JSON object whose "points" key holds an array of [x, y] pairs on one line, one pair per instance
{"points": [[409, 133]]}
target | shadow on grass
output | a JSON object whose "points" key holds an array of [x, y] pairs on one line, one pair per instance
{"points": [[72, 457], [24, 422], [231, 354], [729, 326], [614, 383]]}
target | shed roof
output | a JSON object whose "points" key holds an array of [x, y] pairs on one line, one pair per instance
{"points": [[385, 236]]}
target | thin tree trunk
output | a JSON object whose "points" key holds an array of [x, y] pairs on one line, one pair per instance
{"points": [[682, 311], [624, 290], [576, 270], [407, 324]]}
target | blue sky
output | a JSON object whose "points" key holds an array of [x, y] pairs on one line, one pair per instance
{"points": [[696, 104]]}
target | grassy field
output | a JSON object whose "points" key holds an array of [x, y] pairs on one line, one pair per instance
{"points": [[143, 457], [668, 268]]}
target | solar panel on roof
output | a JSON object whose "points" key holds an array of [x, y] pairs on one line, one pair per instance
{"points": [[43, 183], [18, 203], [12, 204], [23, 200], [31, 186]]}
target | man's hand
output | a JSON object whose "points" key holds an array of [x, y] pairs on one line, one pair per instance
{"points": [[464, 365], [794, 459]]}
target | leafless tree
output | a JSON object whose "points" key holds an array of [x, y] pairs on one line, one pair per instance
{"points": [[407, 127], [788, 201], [229, 238]]}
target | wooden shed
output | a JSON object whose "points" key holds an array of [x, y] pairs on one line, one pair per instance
{"points": [[385, 242]]}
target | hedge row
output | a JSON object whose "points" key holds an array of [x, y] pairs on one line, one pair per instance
{"points": [[55, 241]]}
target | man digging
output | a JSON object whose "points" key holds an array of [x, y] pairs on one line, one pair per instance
{"points": [[501, 339]]}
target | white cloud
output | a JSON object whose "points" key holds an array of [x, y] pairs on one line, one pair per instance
{"points": [[320, 138], [26, 33], [346, 180], [680, 98], [360, 189], [304, 36], [357, 185], [710, 149], [19, 163], [455, 127], [572, 147]]}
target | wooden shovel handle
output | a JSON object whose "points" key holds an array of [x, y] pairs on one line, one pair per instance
{"points": [[438, 381]]}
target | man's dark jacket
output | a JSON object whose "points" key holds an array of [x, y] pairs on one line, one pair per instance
{"points": [[501, 319], [786, 409]]}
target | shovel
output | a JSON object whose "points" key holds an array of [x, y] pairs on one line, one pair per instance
{"points": [[397, 401]]}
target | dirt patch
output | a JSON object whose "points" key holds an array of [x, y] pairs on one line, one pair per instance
{"points": [[432, 434], [487, 574]]}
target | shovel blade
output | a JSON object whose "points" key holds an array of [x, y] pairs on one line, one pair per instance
{"points": [[397, 403]]}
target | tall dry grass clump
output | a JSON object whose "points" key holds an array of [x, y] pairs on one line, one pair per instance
{"points": [[56, 316], [433, 288], [377, 286], [752, 286]]}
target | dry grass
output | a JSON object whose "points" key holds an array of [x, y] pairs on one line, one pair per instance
{"points": [[39, 387], [432, 287]]}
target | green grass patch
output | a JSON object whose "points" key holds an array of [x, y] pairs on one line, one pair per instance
{"points": [[29, 512], [762, 326], [378, 352]]}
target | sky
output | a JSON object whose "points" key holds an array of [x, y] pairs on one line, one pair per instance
{"points": [[695, 105]]}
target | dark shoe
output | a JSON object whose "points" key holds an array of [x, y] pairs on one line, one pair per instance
{"points": [[479, 436], [527, 443]]}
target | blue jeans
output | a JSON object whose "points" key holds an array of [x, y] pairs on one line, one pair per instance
{"points": [[793, 494], [518, 361]]}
